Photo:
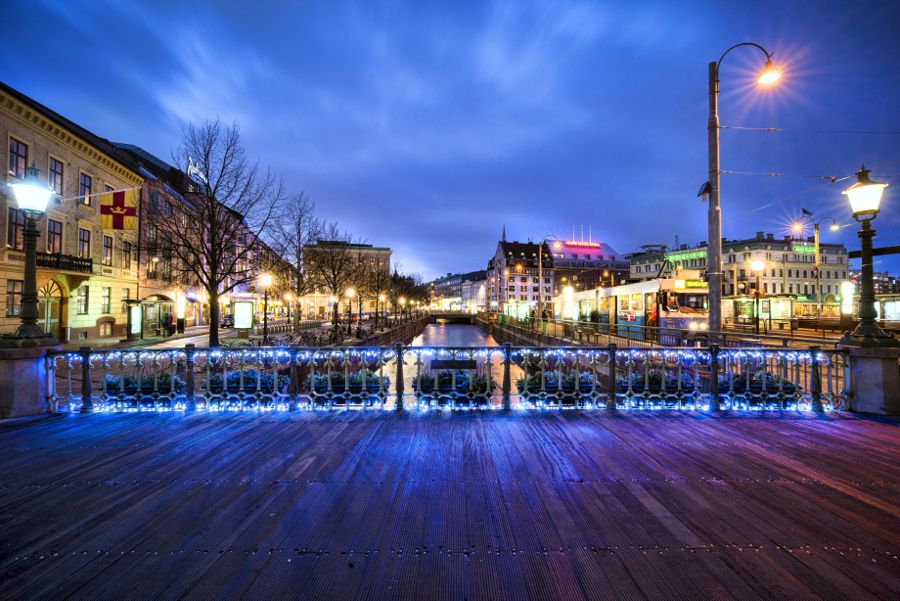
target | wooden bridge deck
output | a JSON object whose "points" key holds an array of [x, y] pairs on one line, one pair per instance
{"points": [[522, 506]]}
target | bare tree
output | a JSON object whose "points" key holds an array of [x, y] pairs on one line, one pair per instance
{"points": [[292, 233], [334, 264], [214, 237]]}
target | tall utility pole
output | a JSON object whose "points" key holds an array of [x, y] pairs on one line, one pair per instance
{"points": [[714, 215]]}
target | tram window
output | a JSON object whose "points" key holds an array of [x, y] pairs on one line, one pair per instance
{"points": [[692, 301]]}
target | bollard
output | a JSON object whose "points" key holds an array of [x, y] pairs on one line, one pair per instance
{"points": [[190, 403], [613, 383], [714, 377], [87, 404], [506, 377], [815, 380], [398, 348]]}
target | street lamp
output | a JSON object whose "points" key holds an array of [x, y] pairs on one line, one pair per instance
{"points": [[865, 200], [378, 305], [350, 293], [265, 282], [32, 196], [757, 266], [767, 76], [798, 227], [402, 307]]}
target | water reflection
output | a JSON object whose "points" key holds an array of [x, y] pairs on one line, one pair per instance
{"points": [[452, 334]]}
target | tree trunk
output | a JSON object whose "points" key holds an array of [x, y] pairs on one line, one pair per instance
{"points": [[213, 318]]}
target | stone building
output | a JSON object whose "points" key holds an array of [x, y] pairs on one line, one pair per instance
{"points": [[85, 274], [513, 276]]}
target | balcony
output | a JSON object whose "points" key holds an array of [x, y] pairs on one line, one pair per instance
{"points": [[64, 262]]}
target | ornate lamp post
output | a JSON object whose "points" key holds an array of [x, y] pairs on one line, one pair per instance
{"points": [[350, 293], [767, 76], [265, 282], [32, 196], [865, 200], [757, 266]]}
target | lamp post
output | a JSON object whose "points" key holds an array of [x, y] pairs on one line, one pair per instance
{"points": [[865, 200], [265, 282], [350, 293], [378, 304], [798, 227], [402, 307], [757, 266], [32, 196], [768, 76]]}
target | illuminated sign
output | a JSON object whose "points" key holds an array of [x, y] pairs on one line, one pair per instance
{"points": [[582, 243], [847, 298], [136, 318], [804, 250], [679, 284], [180, 305], [243, 315], [696, 284], [686, 256]]}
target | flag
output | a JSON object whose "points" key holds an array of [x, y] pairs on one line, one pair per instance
{"points": [[118, 210], [807, 213]]}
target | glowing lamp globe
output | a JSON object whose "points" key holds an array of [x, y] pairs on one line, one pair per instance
{"points": [[757, 265], [32, 195], [865, 195], [265, 280], [769, 74], [350, 293]]}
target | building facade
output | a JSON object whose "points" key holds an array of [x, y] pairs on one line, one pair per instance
{"points": [[86, 275], [355, 266], [586, 265], [789, 266], [518, 278]]}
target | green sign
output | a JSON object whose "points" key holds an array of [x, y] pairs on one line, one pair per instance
{"points": [[679, 257], [804, 250]]}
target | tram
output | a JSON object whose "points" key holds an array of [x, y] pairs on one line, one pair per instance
{"points": [[653, 309]]}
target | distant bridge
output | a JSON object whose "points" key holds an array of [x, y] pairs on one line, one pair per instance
{"points": [[452, 316]]}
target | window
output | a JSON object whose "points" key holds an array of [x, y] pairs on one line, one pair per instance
{"points": [[126, 296], [82, 304], [105, 329], [126, 255], [85, 185], [18, 158], [107, 250], [151, 267], [105, 300], [54, 236], [55, 178], [84, 243], [13, 298], [15, 226]]}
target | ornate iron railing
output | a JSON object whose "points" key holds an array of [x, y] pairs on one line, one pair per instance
{"points": [[505, 377]]}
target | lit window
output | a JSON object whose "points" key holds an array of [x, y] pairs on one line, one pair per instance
{"points": [[13, 298], [18, 158], [55, 179], [85, 187], [82, 300]]}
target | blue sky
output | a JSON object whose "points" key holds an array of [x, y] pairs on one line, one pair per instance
{"points": [[428, 125]]}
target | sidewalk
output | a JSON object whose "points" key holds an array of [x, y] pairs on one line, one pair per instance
{"points": [[137, 342]]}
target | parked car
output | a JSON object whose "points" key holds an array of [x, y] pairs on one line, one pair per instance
{"points": [[227, 321]]}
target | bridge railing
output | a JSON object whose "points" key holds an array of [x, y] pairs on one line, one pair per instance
{"points": [[505, 377]]}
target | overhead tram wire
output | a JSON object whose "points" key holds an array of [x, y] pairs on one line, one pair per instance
{"points": [[824, 184], [864, 132]]}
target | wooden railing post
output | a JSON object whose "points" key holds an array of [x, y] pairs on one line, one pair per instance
{"points": [[611, 397], [87, 403], [507, 385], [815, 380], [398, 349], [714, 377], [190, 403]]}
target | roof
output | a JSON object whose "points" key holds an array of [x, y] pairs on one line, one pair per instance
{"points": [[162, 167], [347, 245], [526, 252], [101, 144]]}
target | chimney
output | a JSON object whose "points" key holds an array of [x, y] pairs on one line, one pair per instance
{"points": [[760, 235], [770, 236]]}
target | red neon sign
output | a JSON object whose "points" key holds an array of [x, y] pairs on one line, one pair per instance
{"points": [[582, 243]]}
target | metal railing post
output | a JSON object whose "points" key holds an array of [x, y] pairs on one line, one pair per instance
{"points": [[87, 404], [507, 385], [190, 403], [815, 380], [398, 349], [611, 397], [714, 377], [294, 386]]}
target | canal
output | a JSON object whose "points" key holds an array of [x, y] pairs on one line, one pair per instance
{"points": [[453, 334]]}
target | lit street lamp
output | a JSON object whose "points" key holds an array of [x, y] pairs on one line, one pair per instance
{"points": [[798, 228], [402, 307], [865, 200], [757, 266], [350, 293], [32, 196], [767, 76], [265, 282], [378, 306]]}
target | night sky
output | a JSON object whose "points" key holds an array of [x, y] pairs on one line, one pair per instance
{"points": [[426, 126]]}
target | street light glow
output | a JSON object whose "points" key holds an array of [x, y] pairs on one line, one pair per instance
{"points": [[769, 74], [865, 195], [350, 293], [265, 280], [32, 195], [757, 265], [797, 228]]}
